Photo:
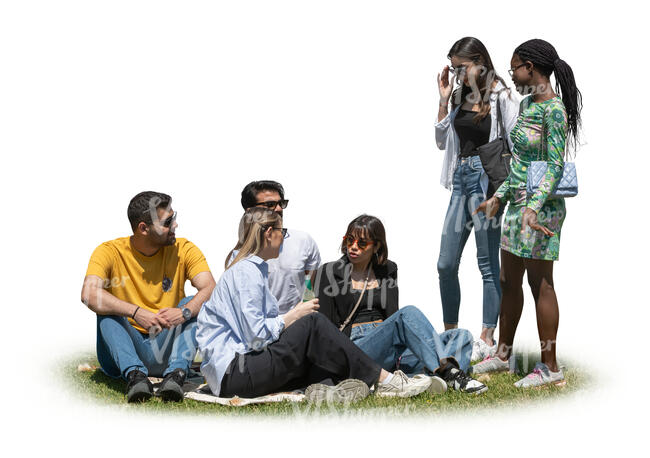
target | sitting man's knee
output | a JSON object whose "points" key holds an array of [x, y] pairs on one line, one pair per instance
{"points": [[110, 321]]}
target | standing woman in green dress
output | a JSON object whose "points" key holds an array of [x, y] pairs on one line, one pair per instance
{"points": [[530, 236]]}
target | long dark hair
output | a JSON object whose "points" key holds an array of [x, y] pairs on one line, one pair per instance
{"points": [[369, 227], [473, 49], [546, 59]]}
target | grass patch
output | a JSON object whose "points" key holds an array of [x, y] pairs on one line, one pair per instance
{"points": [[97, 387]]}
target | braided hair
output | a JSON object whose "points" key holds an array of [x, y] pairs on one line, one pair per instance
{"points": [[545, 58]]}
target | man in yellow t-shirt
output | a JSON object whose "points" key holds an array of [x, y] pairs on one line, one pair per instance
{"points": [[135, 285]]}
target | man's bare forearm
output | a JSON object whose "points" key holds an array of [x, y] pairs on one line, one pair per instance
{"points": [[197, 301], [102, 302]]}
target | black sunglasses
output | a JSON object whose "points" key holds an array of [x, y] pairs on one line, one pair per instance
{"points": [[169, 221], [283, 229], [271, 204]]}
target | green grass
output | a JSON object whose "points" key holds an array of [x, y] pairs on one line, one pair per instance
{"points": [[97, 387]]}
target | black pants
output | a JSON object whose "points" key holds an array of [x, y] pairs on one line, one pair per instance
{"points": [[310, 350]]}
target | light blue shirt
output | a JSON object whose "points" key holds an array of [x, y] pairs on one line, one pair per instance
{"points": [[240, 316]]}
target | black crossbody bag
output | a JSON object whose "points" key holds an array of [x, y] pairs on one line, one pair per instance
{"points": [[495, 156]]}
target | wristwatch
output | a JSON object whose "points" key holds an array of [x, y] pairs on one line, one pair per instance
{"points": [[187, 313]]}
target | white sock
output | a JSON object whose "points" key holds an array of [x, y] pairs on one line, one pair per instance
{"points": [[388, 378]]}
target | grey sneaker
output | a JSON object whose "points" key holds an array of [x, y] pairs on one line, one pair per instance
{"points": [[436, 384], [541, 375], [138, 388], [171, 388], [402, 386], [349, 390], [490, 364]]}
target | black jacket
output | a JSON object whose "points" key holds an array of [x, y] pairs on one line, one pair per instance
{"points": [[332, 288]]}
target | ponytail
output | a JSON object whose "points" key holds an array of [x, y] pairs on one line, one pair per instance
{"points": [[565, 84]]}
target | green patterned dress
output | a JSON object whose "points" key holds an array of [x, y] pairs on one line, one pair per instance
{"points": [[548, 117]]}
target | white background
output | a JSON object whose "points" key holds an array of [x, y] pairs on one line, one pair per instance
{"points": [[336, 100]]}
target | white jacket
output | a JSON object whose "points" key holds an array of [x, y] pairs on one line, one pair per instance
{"points": [[447, 138]]}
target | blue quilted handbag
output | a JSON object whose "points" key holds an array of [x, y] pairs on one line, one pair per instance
{"points": [[567, 186]]}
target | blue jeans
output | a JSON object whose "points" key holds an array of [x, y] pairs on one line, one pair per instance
{"points": [[407, 338], [459, 222], [121, 348]]}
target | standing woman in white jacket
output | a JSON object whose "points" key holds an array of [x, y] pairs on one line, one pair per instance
{"points": [[471, 123]]}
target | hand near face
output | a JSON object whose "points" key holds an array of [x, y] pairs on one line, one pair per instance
{"points": [[445, 86]]}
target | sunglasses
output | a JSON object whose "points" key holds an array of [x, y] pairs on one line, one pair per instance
{"points": [[457, 71], [271, 204], [283, 229], [361, 243], [169, 221]]}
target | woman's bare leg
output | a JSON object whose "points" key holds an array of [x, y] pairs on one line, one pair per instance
{"points": [[512, 301], [540, 279]]}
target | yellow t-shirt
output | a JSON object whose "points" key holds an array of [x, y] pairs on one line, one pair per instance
{"points": [[152, 282]]}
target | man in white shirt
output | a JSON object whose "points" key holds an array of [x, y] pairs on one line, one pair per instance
{"points": [[299, 255]]}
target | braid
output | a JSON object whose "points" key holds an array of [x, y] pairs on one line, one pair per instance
{"points": [[544, 56]]}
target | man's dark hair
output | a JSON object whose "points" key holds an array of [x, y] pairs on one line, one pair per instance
{"points": [[144, 205], [249, 194]]}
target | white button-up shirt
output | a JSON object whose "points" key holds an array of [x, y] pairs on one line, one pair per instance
{"points": [[447, 138]]}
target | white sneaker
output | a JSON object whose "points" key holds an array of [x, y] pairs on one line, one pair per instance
{"points": [[437, 385], [481, 350], [490, 364], [402, 387]]}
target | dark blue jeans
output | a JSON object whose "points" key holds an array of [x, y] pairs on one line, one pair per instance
{"points": [[459, 222], [121, 348], [407, 338]]}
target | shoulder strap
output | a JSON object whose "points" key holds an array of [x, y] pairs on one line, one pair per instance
{"points": [[500, 124], [356, 306], [543, 143]]}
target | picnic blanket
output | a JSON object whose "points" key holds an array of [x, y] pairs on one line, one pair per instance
{"points": [[195, 388]]}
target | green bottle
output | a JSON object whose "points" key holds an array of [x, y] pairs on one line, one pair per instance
{"points": [[309, 292]]}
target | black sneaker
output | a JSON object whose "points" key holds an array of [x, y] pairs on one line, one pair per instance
{"points": [[138, 387], [460, 381], [171, 388]]}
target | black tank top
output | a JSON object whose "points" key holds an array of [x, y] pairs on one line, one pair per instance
{"points": [[471, 135], [371, 307]]}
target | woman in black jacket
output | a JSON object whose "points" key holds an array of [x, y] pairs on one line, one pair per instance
{"points": [[359, 294]]}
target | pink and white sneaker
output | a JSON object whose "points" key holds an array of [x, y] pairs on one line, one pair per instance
{"points": [[541, 375]]}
